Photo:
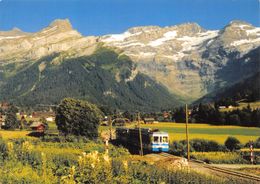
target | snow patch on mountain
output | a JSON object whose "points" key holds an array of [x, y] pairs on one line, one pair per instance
{"points": [[254, 31], [245, 41], [119, 37], [166, 36], [9, 37], [191, 43]]}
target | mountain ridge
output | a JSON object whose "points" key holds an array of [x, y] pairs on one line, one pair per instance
{"points": [[186, 59]]}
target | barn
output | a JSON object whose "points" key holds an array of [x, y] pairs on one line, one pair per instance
{"points": [[38, 127]]}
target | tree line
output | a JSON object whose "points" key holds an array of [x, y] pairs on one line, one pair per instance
{"points": [[208, 113]]}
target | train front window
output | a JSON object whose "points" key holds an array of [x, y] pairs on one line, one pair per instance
{"points": [[155, 139], [165, 139]]}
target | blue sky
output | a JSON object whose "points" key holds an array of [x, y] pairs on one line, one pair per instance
{"points": [[98, 17]]}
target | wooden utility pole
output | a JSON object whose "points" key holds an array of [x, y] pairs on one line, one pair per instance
{"points": [[187, 133], [110, 127], [140, 135], [251, 153]]}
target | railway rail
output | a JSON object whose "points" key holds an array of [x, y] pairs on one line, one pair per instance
{"points": [[218, 169]]}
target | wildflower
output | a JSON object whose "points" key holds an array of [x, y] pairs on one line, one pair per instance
{"points": [[93, 156], [64, 178], [125, 164], [26, 146], [10, 146], [80, 160], [72, 170], [84, 154], [106, 158]]}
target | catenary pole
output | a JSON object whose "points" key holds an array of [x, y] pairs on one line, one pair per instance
{"points": [[110, 127], [140, 134], [187, 133]]}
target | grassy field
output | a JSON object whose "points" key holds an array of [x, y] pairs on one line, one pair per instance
{"points": [[177, 131], [205, 131], [218, 157], [5, 134]]}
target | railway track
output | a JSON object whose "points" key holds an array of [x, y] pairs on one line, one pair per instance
{"points": [[218, 169]]}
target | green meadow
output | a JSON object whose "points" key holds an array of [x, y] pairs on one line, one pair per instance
{"points": [[204, 131]]}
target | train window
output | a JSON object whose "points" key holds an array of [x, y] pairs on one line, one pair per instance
{"points": [[160, 139], [165, 139], [155, 139]]}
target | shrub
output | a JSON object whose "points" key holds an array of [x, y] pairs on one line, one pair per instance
{"points": [[31, 158], [256, 144], [179, 148], [77, 117], [219, 157], [11, 121], [20, 173], [203, 145], [60, 163], [232, 144], [3, 150], [49, 138]]}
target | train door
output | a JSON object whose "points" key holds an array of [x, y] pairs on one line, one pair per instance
{"points": [[165, 143], [160, 143]]}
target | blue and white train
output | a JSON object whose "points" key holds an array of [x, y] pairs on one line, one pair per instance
{"points": [[152, 140]]}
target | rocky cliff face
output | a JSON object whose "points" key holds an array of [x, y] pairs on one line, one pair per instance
{"points": [[16, 46], [186, 59]]}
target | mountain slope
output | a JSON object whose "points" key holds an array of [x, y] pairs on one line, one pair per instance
{"points": [[104, 78], [151, 66], [187, 58], [247, 89], [246, 75]]}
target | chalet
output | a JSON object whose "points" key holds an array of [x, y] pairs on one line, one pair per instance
{"points": [[38, 127], [149, 120]]}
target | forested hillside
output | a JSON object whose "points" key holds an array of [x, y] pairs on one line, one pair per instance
{"points": [[246, 90], [104, 78]]}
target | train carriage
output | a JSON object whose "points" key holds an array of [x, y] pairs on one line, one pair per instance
{"points": [[160, 142], [152, 140]]}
